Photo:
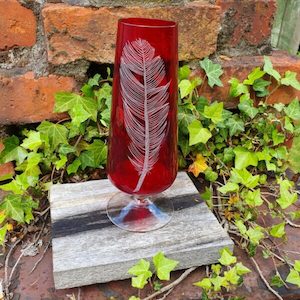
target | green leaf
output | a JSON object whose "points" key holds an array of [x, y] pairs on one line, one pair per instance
{"points": [[278, 230], [248, 109], [232, 276], [61, 162], [141, 272], [228, 187], [3, 231], [214, 112], [255, 234], [277, 281], [241, 269], [207, 196], [293, 277], [253, 199], [256, 73], [293, 110], [184, 72], [290, 79], [87, 90], [185, 117], [297, 265], [65, 149], [228, 155], [294, 155], [226, 258], [235, 125], [33, 141], [197, 133], [12, 151], [205, 284], [218, 282], [12, 205], [73, 167], [212, 71], [237, 88], [277, 137], [260, 87], [56, 133], [66, 102], [241, 226], [288, 124], [244, 177], [295, 215], [210, 175], [244, 158], [94, 81], [78, 115], [216, 269], [95, 155], [185, 88], [134, 298], [279, 106], [268, 68], [286, 198], [104, 94], [163, 266]]}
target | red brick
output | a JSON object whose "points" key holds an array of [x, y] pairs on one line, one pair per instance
{"points": [[24, 99], [17, 25], [249, 21], [240, 67], [79, 32]]}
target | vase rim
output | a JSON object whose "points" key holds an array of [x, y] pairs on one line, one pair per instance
{"points": [[146, 22]]}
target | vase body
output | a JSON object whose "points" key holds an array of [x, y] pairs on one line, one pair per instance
{"points": [[143, 136]]}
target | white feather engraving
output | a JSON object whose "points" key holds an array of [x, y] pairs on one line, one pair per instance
{"points": [[144, 103]]}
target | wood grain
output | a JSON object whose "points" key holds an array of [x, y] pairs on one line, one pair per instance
{"points": [[88, 249]]}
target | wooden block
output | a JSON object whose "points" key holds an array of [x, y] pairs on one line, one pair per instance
{"points": [[88, 248]]}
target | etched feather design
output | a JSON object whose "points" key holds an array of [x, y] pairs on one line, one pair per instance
{"points": [[144, 103]]}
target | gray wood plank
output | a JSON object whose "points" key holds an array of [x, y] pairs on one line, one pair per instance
{"points": [[88, 249]]}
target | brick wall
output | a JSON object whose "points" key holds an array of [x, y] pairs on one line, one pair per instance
{"points": [[48, 46]]}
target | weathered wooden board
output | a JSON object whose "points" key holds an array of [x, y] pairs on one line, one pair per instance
{"points": [[88, 248]]}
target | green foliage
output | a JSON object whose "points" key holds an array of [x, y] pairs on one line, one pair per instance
{"points": [[163, 266], [213, 72], [53, 150]]}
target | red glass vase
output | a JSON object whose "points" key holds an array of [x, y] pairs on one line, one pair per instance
{"points": [[142, 160]]}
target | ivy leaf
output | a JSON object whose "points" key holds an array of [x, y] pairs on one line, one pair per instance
{"points": [[95, 155], [3, 231], [253, 199], [228, 155], [244, 177], [12, 151], [142, 272], [79, 114], [277, 281], [212, 71], [104, 96], [214, 112], [66, 102], [163, 266], [256, 73], [277, 137], [293, 277], [241, 226], [207, 196], [237, 88], [134, 298], [244, 158], [197, 133], [184, 72], [294, 155], [235, 125], [73, 167], [255, 235], [185, 118], [216, 269], [185, 88], [226, 258], [288, 124], [293, 110], [260, 87], [278, 230], [295, 215], [297, 265], [286, 198], [229, 187], [290, 79], [12, 205], [241, 269], [94, 81], [33, 141], [198, 166], [268, 68], [210, 175], [56, 133], [232, 276], [205, 284], [248, 109], [61, 162], [65, 149]]}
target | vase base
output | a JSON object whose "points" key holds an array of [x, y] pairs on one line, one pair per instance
{"points": [[140, 215]]}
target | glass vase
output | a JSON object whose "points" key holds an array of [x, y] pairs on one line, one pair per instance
{"points": [[142, 159]]}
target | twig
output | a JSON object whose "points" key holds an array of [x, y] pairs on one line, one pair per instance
{"points": [[173, 284], [265, 280], [288, 221], [166, 294], [40, 259]]}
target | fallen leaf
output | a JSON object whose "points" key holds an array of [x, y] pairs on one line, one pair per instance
{"points": [[198, 166]]}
